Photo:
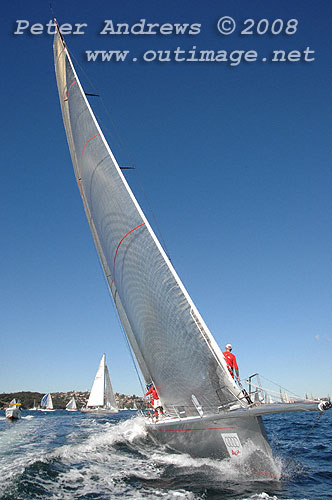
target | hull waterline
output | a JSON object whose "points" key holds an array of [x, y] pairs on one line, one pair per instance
{"points": [[238, 435], [242, 439]]}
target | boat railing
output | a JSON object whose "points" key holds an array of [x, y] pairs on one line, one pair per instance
{"points": [[185, 411], [255, 395], [270, 393], [251, 384]]}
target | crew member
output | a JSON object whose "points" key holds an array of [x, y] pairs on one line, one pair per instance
{"points": [[154, 400], [231, 362]]}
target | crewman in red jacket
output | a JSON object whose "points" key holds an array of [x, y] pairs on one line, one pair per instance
{"points": [[231, 362], [154, 400], [154, 395]]}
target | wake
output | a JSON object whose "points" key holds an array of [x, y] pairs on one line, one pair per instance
{"points": [[108, 458]]}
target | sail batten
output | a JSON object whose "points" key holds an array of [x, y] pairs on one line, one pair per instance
{"points": [[170, 339]]}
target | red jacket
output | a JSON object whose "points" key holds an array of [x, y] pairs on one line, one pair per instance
{"points": [[231, 362], [154, 394]]}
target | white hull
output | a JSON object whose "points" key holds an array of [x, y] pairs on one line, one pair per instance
{"points": [[13, 413], [99, 410]]}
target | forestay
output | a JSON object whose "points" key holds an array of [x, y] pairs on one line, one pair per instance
{"points": [[172, 344]]}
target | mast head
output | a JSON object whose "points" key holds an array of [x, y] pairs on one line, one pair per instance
{"points": [[59, 31]]}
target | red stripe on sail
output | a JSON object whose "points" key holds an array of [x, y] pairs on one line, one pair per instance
{"points": [[116, 252], [66, 95]]}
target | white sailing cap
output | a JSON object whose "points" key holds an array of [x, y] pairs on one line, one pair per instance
{"points": [[229, 345]]}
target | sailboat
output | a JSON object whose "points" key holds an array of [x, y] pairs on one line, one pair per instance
{"points": [[101, 398], [71, 405], [13, 412], [34, 408], [208, 414], [46, 403]]}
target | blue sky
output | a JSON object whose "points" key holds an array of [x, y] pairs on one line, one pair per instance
{"points": [[236, 164]]}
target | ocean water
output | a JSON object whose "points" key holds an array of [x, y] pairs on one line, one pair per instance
{"points": [[76, 456]]}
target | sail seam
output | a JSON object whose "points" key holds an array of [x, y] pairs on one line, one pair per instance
{"points": [[125, 236]]}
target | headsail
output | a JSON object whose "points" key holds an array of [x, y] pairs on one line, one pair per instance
{"points": [[47, 402], [172, 344], [109, 394]]}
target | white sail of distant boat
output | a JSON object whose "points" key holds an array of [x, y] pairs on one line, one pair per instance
{"points": [[46, 403], [34, 408], [71, 405], [101, 397], [281, 396], [174, 348]]}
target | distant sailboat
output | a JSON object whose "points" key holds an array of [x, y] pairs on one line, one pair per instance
{"points": [[46, 403], [101, 398], [13, 412], [71, 405], [34, 408]]}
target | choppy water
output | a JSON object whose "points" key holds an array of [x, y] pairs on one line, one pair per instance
{"points": [[75, 456]]}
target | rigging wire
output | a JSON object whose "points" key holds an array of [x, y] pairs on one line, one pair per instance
{"points": [[120, 324], [281, 387], [51, 9], [129, 348]]}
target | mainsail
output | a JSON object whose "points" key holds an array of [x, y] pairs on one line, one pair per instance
{"points": [[96, 397], [172, 344], [102, 393]]}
